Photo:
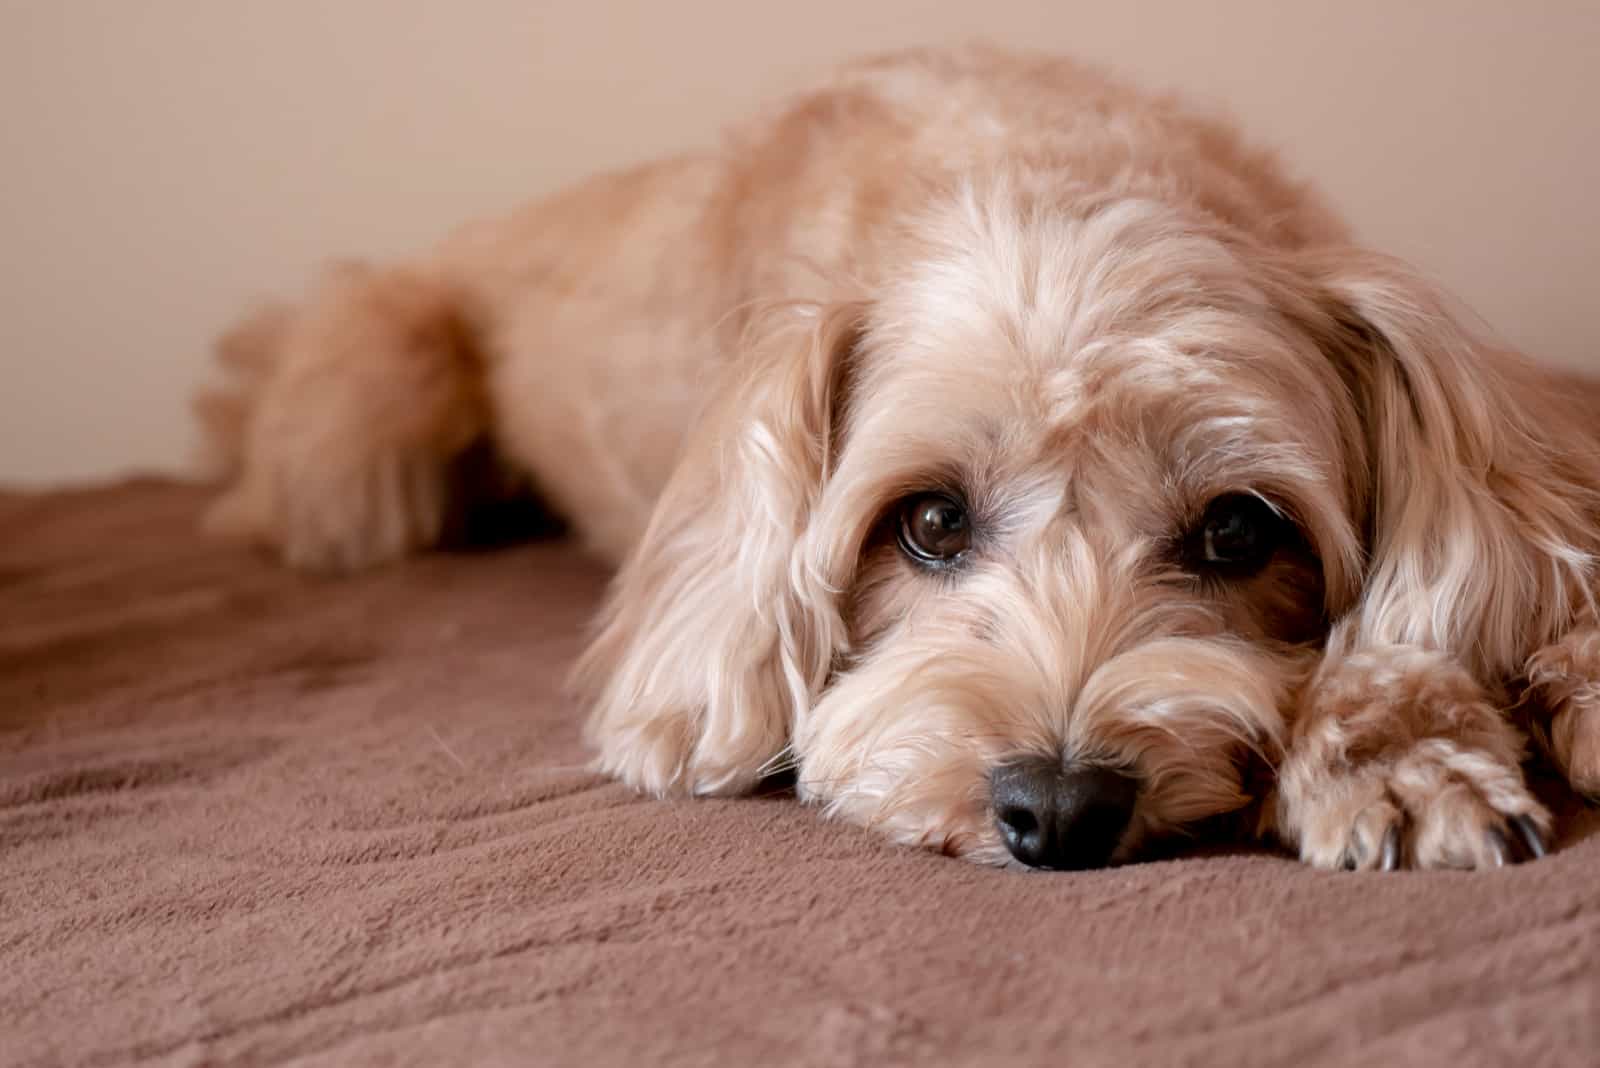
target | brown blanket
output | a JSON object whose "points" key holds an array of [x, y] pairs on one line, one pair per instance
{"points": [[248, 817]]}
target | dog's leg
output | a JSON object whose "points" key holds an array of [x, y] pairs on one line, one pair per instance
{"points": [[1400, 758], [348, 415], [1564, 684]]}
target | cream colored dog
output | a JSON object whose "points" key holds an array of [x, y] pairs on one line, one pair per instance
{"points": [[1023, 461]]}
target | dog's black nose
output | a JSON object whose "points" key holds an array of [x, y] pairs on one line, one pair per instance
{"points": [[1067, 818]]}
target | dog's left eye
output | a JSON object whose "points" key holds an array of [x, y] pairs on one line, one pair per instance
{"points": [[1238, 534], [934, 528]]}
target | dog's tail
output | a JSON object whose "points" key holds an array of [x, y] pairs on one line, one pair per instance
{"points": [[355, 426], [246, 354], [333, 422]]}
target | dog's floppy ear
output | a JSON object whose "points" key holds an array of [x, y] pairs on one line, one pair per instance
{"points": [[1466, 477], [715, 634]]}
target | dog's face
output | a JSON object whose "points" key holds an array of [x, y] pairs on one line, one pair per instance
{"points": [[1027, 563], [1086, 518]]}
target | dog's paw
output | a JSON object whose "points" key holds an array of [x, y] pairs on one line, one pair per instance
{"points": [[1575, 739], [336, 513], [1565, 680], [1435, 805], [1400, 761]]}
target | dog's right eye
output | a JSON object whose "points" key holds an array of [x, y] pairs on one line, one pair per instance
{"points": [[1238, 535], [934, 528]]}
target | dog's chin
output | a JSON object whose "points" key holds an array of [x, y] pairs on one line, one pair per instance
{"points": [[911, 754], [944, 805]]}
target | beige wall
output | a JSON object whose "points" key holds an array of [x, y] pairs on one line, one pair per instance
{"points": [[168, 161]]}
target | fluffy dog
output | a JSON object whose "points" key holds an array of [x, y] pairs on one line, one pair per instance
{"points": [[1024, 462]]}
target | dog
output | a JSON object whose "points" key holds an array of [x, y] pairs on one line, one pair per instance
{"points": [[1024, 464]]}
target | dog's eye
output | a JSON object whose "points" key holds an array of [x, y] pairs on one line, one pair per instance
{"points": [[1238, 535], [934, 528]]}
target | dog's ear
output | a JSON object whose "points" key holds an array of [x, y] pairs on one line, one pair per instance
{"points": [[1466, 477], [715, 634]]}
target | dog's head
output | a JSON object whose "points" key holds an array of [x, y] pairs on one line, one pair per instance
{"points": [[1024, 553]]}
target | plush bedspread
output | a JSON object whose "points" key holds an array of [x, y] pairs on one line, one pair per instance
{"points": [[250, 817]]}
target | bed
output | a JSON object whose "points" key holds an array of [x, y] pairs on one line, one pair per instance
{"points": [[253, 817]]}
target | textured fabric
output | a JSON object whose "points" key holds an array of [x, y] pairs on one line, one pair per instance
{"points": [[248, 817]]}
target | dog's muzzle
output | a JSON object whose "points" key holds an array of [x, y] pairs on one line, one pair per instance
{"points": [[1066, 817]]}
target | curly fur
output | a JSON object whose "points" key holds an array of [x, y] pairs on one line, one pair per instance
{"points": [[1090, 312]]}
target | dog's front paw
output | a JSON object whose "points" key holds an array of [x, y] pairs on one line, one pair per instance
{"points": [[1433, 804], [1400, 761], [1564, 678]]}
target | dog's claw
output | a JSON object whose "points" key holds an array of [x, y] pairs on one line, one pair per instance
{"points": [[1390, 858], [1499, 847], [1531, 836], [1349, 862]]}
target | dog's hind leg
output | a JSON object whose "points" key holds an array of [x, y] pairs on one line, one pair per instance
{"points": [[342, 430]]}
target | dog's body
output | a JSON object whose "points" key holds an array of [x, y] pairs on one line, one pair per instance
{"points": [[1019, 458]]}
